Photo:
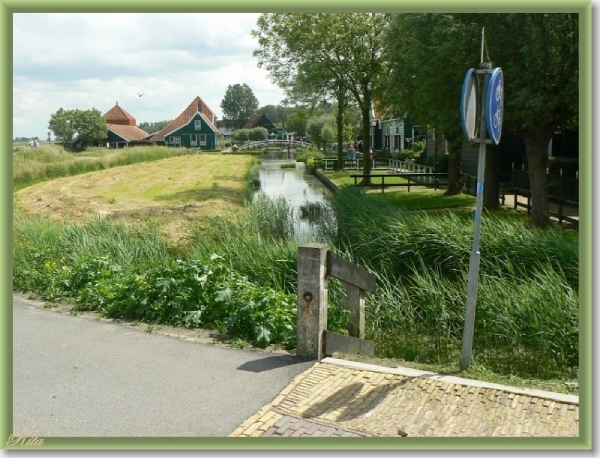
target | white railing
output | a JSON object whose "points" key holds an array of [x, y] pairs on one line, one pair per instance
{"points": [[398, 166]]}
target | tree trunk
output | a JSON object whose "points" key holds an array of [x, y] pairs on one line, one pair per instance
{"points": [[455, 180], [536, 145], [491, 190], [366, 122], [340, 135]]}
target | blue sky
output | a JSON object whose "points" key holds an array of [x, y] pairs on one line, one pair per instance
{"points": [[92, 60]]}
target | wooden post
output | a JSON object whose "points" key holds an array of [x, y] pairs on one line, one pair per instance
{"points": [[355, 303], [312, 299]]}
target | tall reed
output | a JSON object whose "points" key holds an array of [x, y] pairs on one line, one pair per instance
{"points": [[527, 305]]}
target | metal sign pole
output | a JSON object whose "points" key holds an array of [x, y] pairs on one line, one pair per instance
{"points": [[468, 331], [490, 120]]}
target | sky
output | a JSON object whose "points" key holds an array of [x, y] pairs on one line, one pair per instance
{"points": [[93, 60]]}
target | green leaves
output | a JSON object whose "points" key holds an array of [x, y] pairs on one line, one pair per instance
{"points": [[239, 104], [176, 292], [82, 125]]}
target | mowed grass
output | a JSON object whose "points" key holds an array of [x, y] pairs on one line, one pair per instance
{"points": [[418, 198], [203, 184]]}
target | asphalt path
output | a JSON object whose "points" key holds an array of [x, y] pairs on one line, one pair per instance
{"points": [[76, 377]]}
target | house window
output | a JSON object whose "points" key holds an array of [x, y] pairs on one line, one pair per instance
{"points": [[175, 141], [202, 139], [198, 124], [193, 140], [398, 130], [387, 141]]}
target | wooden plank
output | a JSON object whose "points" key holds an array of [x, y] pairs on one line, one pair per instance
{"points": [[338, 343], [344, 270]]}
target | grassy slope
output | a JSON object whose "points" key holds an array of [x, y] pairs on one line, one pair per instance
{"points": [[207, 182]]}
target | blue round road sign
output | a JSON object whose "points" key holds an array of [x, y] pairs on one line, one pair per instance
{"points": [[495, 105], [469, 102]]}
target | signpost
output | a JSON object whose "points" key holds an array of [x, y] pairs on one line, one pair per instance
{"points": [[490, 121]]}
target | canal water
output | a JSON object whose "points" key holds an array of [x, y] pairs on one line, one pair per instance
{"points": [[295, 185]]}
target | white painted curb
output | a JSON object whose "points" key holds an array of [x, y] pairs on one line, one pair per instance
{"points": [[407, 372]]}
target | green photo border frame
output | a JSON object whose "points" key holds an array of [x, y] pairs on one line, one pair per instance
{"points": [[583, 7]]}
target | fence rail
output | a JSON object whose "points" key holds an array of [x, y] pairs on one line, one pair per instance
{"points": [[562, 191], [418, 179]]}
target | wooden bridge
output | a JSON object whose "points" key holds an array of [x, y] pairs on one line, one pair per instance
{"points": [[274, 144]]}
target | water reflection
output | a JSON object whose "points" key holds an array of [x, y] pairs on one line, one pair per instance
{"points": [[293, 184]]}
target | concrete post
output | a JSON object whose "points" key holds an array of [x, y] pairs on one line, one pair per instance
{"points": [[312, 299], [355, 302]]}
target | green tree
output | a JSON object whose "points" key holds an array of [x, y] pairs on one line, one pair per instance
{"points": [[241, 135], [539, 56], [428, 56], [258, 133], [296, 121], [277, 114], [239, 104], [325, 54], [327, 133], [316, 125], [153, 127], [87, 126]]}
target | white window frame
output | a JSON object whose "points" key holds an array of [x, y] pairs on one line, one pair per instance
{"points": [[193, 140], [175, 141], [202, 139], [198, 124]]}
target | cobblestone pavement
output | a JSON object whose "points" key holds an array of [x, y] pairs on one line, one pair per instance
{"points": [[337, 398]]}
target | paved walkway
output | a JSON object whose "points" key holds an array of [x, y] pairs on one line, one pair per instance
{"points": [[347, 399]]}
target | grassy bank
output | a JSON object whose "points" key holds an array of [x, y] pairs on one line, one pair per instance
{"points": [[527, 304], [236, 269], [50, 161], [173, 192]]}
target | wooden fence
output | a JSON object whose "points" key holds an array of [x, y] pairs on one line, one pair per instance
{"points": [[316, 263]]}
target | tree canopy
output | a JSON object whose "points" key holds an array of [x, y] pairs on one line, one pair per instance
{"points": [[153, 127], [429, 55], [325, 55], [239, 104], [83, 125]]}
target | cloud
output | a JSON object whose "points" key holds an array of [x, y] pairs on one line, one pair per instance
{"points": [[73, 60]]}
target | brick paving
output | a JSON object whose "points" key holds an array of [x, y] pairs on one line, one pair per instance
{"points": [[345, 401]]}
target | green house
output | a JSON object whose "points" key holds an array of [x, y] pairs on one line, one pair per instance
{"points": [[193, 128]]}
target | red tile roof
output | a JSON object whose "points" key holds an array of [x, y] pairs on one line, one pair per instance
{"points": [[127, 133], [197, 106], [118, 116]]}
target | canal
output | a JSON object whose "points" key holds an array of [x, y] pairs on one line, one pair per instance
{"points": [[296, 185]]}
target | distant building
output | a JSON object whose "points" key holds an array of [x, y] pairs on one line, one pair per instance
{"points": [[122, 128], [193, 128], [261, 120], [225, 128]]}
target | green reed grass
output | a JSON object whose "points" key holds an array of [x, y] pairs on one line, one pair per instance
{"points": [[258, 242], [527, 305]]}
